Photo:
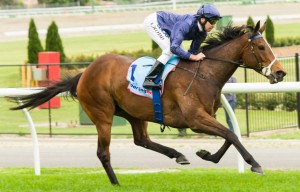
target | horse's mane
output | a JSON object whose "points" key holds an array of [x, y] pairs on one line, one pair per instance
{"points": [[226, 34]]}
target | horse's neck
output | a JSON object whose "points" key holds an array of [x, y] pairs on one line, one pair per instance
{"points": [[221, 71]]}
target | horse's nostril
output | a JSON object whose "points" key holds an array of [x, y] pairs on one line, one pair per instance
{"points": [[280, 74]]}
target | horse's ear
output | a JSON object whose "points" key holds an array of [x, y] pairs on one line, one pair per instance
{"points": [[262, 29], [257, 26]]}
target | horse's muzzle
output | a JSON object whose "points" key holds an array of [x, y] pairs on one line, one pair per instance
{"points": [[276, 77]]}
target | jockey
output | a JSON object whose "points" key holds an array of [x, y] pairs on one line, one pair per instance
{"points": [[169, 30]]}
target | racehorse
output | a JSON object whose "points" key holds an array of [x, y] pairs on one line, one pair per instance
{"points": [[102, 92]]}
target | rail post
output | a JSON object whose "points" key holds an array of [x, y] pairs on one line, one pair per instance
{"points": [[298, 94]]}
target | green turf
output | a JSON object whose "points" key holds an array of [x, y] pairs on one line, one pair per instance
{"points": [[287, 30], [88, 179], [292, 135]]}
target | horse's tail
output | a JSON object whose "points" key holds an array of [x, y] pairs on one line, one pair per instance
{"points": [[68, 85]]}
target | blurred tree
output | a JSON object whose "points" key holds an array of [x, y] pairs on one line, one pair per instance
{"points": [[9, 2], [34, 44], [270, 36], [250, 22], [154, 45], [290, 101], [53, 41]]}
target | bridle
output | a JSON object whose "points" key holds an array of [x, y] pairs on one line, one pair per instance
{"points": [[266, 71]]}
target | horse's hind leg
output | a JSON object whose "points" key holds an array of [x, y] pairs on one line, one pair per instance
{"points": [[104, 156], [214, 157], [102, 117], [141, 138]]}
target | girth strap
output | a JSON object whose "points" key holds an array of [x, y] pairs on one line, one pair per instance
{"points": [[157, 106]]}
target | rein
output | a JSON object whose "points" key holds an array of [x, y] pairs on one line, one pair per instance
{"points": [[227, 61], [200, 75], [234, 62], [196, 72]]}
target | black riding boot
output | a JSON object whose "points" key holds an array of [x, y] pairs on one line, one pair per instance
{"points": [[155, 70]]}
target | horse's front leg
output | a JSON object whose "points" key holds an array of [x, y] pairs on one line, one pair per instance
{"points": [[256, 168], [141, 138], [209, 125]]}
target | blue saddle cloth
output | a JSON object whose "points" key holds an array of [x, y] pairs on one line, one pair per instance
{"points": [[140, 68]]}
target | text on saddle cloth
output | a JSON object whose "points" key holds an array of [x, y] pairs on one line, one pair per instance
{"points": [[140, 68]]}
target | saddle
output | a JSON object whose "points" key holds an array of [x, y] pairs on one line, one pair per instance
{"points": [[137, 72], [139, 69]]}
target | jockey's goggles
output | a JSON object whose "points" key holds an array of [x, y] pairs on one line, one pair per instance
{"points": [[212, 21]]}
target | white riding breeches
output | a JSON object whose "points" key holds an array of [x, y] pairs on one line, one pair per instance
{"points": [[158, 35]]}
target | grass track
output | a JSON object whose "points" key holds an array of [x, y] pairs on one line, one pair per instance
{"points": [[87, 179]]}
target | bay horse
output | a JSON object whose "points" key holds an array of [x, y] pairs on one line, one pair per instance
{"points": [[102, 92]]}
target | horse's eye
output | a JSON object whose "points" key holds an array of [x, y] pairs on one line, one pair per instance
{"points": [[261, 47]]}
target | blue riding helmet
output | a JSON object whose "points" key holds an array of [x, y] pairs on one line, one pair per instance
{"points": [[208, 11]]}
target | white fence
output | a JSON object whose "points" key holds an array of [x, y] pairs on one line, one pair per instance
{"points": [[228, 88]]}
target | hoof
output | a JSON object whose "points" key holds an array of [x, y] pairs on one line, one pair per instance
{"points": [[202, 153], [257, 170], [182, 160]]}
